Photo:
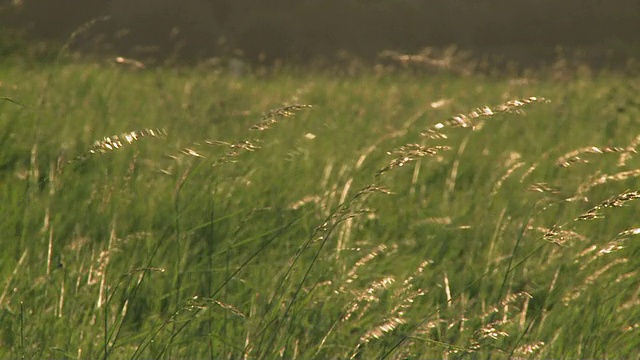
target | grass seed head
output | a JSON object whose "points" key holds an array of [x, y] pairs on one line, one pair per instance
{"points": [[115, 142]]}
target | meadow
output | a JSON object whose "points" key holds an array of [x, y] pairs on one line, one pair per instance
{"points": [[196, 213]]}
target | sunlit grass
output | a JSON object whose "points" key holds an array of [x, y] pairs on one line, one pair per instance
{"points": [[370, 224]]}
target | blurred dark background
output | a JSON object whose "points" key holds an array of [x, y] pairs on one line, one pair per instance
{"points": [[525, 32]]}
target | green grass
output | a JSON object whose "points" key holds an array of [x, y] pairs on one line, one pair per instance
{"points": [[296, 249]]}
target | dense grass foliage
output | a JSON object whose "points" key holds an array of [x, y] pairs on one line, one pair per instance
{"points": [[229, 220]]}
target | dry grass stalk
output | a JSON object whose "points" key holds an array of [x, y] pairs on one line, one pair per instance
{"points": [[449, 59], [629, 232], [543, 187], [346, 209], [408, 291], [340, 215], [507, 174], [61, 298], [512, 159], [627, 276], [405, 295], [600, 179], [433, 134], [82, 29], [610, 247], [363, 298], [10, 278], [198, 303], [530, 170], [440, 103], [327, 200], [235, 150], [115, 142], [635, 298], [473, 347], [633, 327], [573, 157], [491, 331], [271, 117], [453, 175], [98, 272], [191, 152], [529, 349], [309, 199], [403, 130], [481, 336], [346, 229], [616, 201], [131, 63], [467, 120], [326, 174], [559, 236], [34, 168], [351, 275], [505, 303], [378, 331], [49, 251], [372, 188], [445, 220], [447, 289], [629, 151], [575, 293], [410, 152]]}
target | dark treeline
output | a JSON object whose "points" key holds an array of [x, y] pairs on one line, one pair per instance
{"points": [[302, 30]]}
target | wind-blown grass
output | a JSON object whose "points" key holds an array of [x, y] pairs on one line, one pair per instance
{"points": [[374, 224]]}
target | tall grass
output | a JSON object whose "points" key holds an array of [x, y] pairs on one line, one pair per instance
{"points": [[374, 224]]}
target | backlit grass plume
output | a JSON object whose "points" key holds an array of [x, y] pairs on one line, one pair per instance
{"points": [[238, 147], [115, 142], [271, 117], [574, 156], [410, 152], [614, 202], [468, 120]]}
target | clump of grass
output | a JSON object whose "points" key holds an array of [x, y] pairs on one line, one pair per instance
{"points": [[211, 264]]}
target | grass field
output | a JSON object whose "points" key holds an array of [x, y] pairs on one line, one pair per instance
{"points": [[230, 220]]}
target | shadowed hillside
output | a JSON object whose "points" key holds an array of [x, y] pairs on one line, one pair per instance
{"points": [[525, 31]]}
